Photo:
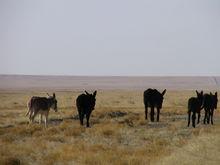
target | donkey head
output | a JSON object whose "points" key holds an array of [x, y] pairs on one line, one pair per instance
{"points": [[53, 102], [160, 99], [200, 97], [91, 99], [215, 99]]}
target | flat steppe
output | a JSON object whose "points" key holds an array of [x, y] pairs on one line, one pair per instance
{"points": [[119, 134]]}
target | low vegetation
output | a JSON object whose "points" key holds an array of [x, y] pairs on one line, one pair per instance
{"points": [[118, 133]]}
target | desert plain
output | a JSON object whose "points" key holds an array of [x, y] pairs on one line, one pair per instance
{"points": [[119, 133]]}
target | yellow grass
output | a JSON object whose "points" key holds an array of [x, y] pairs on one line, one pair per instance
{"points": [[118, 134]]}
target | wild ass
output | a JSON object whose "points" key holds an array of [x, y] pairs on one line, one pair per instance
{"points": [[41, 106], [153, 98], [209, 105], [195, 106], [85, 104]]}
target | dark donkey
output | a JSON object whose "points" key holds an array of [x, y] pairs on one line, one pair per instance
{"points": [[209, 104], [41, 105], [195, 106], [85, 104], [153, 98]]}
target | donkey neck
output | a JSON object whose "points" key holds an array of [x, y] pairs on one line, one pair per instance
{"points": [[49, 102]]}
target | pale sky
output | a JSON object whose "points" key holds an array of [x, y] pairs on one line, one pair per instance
{"points": [[110, 37]]}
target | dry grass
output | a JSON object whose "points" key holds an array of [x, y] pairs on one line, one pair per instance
{"points": [[118, 134]]}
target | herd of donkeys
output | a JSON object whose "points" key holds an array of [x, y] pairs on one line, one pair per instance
{"points": [[153, 99]]}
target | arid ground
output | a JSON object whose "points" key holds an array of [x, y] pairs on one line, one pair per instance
{"points": [[118, 133]]}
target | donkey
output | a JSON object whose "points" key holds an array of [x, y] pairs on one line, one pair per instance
{"points": [[153, 98], [30, 111], [85, 104], [209, 104], [195, 106], [42, 105]]}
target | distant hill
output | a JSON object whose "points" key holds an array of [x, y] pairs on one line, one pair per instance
{"points": [[65, 83]]}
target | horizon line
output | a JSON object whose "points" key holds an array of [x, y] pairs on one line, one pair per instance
{"points": [[67, 75]]}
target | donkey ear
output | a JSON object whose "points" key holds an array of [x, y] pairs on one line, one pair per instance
{"points": [[54, 96], [201, 92], [163, 93], [86, 92], [94, 93], [216, 93], [211, 93], [197, 93]]}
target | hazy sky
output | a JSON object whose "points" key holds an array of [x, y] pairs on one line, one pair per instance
{"points": [[110, 37]]}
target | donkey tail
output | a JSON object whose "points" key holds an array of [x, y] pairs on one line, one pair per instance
{"points": [[28, 107]]}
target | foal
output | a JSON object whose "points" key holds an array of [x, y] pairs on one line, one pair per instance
{"points": [[41, 105]]}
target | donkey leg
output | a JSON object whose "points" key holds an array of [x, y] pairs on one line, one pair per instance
{"points": [[152, 114], [33, 116], [30, 118], [81, 116], [146, 111], [212, 111], [208, 117], [87, 119], [46, 120], [189, 115], [30, 115], [40, 118], [194, 119], [205, 117], [198, 118], [158, 114]]}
